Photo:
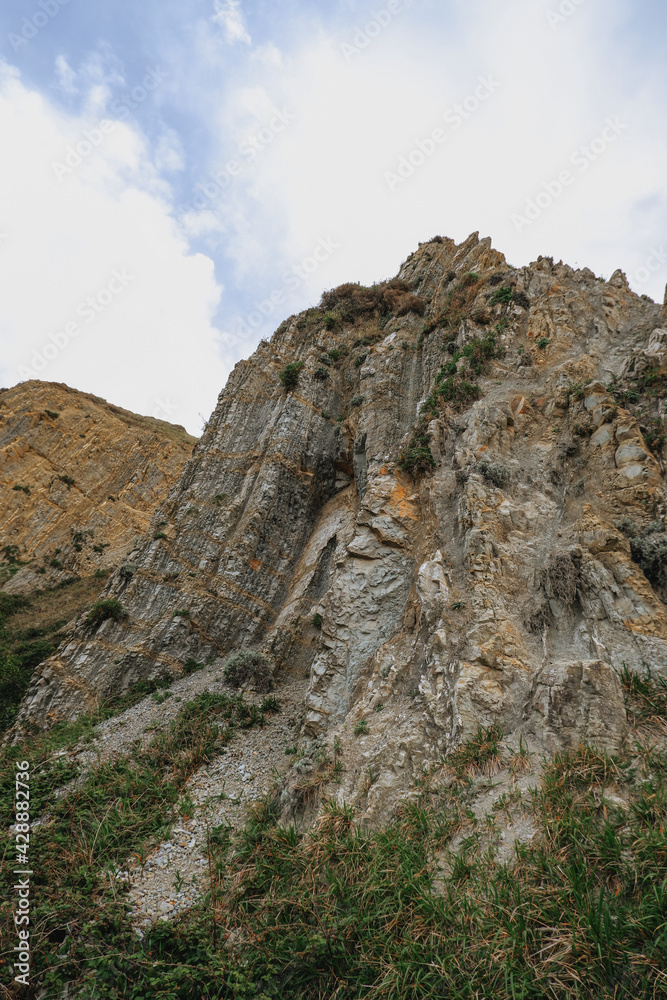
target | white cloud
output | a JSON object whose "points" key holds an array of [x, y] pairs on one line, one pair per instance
{"points": [[269, 55], [349, 119], [229, 14], [354, 118], [66, 76], [169, 154], [103, 231]]}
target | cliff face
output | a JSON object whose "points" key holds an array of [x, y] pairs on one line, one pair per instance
{"points": [[79, 480], [450, 515]]}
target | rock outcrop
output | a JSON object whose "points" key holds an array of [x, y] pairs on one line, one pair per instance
{"points": [[448, 514], [79, 480]]}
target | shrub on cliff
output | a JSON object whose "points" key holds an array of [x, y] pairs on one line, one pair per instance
{"points": [[353, 302], [495, 472], [101, 610], [416, 457], [331, 321], [249, 666], [289, 376], [503, 294], [559, 578]]}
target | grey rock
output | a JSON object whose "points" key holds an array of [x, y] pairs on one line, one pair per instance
{"points": [[579, 703], [435, 598]]}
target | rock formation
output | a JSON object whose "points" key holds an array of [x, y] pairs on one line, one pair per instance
{"points": [[79, 480], [440, 500]]}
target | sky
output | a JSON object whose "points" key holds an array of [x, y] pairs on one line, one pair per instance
{"points": [[178, 176]]}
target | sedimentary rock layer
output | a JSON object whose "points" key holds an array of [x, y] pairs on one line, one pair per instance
{"points": [[79, 480], [450, 515]]}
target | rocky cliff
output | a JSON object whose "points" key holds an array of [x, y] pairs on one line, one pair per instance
{"points": [[436, 504], [79, 480]]}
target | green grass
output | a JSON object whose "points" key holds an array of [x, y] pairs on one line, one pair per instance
{"points": [[503, 294], [30, 631], [651, 384], [331, 321], [289, 376], [338, 911], [336, 353], [452, 384], [191, 666], [122, 808], [646, 697]]}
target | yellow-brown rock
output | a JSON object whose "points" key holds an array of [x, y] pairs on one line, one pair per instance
{"points": [[79, 481]]}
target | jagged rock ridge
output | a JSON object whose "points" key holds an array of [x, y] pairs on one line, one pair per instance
{"points": [[453, 517]]}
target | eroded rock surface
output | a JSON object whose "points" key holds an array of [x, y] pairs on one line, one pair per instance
{"points": [[79, 481], [507, 583]]}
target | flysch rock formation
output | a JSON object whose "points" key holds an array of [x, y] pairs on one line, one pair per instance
{"points": [[502, 584], [79, 480]]}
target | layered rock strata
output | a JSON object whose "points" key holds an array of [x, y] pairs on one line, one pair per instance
{"points": [[79, 480], [507, 581]]}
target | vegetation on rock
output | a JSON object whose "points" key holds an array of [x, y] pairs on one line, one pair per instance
{"points": [[289, 376], [417, 458], [495, 472], [337, 910], [31, 628], [105, 609], [249, 666], [353, 302]]}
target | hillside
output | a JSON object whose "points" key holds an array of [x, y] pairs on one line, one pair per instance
{"points": [[79, 480], [442, 479], [424, 536]]}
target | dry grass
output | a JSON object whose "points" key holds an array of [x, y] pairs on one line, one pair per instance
{"points": [[47, 608], [338, 911]]}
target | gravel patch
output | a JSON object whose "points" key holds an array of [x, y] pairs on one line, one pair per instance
{"points": [[175, 874]]}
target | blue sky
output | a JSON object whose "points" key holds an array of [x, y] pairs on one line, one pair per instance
{"points": [[177, 177]]}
